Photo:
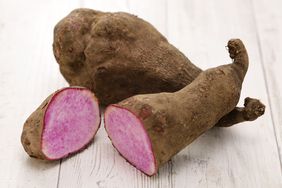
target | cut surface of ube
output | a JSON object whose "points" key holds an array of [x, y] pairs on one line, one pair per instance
{"points": [[130, 138], [71, 121]]}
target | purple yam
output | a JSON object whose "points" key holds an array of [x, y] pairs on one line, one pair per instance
{"points": [[64, 123], [158, 126], [130, 138]]}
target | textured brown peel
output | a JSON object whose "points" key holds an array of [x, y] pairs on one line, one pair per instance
{"points": [[33, 127], [252, 110], [174, 120], [118, 55]]}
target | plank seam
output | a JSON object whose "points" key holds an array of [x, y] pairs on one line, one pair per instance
{"points": [[262, 63], [59, 174]]}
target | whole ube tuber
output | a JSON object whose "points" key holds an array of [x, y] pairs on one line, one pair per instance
{"points": [[63, 124], [118, 55], [149, 129]]}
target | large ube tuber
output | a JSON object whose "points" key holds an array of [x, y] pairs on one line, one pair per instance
{"points": [[118, 55], [65, 123], [149, 129]]}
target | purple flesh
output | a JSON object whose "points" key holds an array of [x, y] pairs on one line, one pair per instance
{"points": [[70, 122], [130, 138]]}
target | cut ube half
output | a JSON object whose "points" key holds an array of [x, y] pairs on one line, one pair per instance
{"points": [[65, 123], [71, 122], [130, 138]]}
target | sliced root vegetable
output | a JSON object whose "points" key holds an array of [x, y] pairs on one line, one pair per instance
{"points": [[63, 124], [149, 129], [130, 138]]}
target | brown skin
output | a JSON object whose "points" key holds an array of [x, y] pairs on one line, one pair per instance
{"points": [[32, 130], [33, 127], [118, 55], [252, 110], [174, 120]]}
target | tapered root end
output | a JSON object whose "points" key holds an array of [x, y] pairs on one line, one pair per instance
{"points": [[235, 47], [253, 109], [238, 53], [130, 138]]}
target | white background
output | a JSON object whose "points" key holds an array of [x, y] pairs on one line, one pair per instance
{"points": [[246, 155]]}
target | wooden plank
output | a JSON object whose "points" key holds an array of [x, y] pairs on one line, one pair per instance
{"points": [[244, 155], [105, 5], [155, 12], [28, 74], [222, 155], [100, 164], [268, 18]]}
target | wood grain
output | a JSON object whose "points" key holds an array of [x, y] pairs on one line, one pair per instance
{"points": [[247, 155], [267, 18], [237, 156]]}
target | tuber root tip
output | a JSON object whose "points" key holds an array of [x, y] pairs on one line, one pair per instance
{"points": [[235, 47], [253, 109]]}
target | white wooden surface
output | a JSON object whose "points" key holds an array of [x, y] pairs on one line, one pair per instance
{"points": [[247, 155]]}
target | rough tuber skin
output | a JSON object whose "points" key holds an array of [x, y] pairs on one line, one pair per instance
{"points": [[65, 123], [171, 121], [252, 109], [118, 55]]}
